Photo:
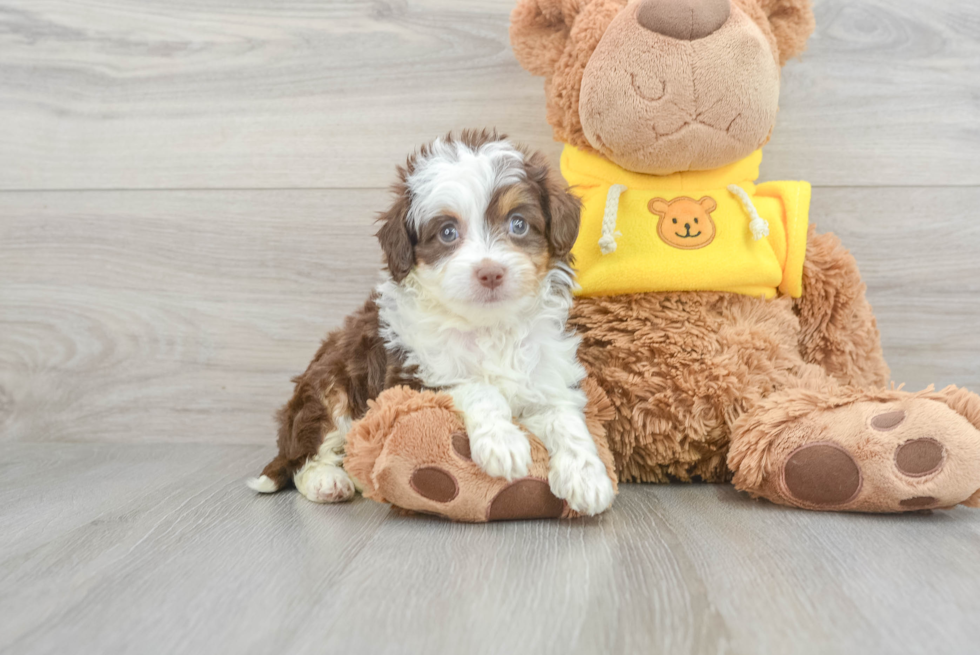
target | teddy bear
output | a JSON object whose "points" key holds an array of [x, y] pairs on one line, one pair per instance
{"points": [[725, 339]]}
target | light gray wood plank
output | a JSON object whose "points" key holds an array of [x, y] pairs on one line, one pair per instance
{"points": [[115, 94], [161, 549], [142, 550], [189, 94], [885, 95], [917, 249], [180, 317], [171, 316]]}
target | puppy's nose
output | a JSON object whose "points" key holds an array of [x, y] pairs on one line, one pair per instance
{"points": [[490, 274], [683, 19]]}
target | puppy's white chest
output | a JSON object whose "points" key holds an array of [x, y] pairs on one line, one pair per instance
{"points": [[528, 359], [493, 357]]}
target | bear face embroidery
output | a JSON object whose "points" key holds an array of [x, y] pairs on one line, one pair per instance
{"points": [[685, 223]]}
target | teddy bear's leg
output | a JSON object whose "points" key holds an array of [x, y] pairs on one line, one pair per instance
{"points": [[849, 449], [411, 450], [838, 328]]}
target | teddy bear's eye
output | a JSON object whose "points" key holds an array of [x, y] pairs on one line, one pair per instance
{"points": [[695, 221], [675, 221]]}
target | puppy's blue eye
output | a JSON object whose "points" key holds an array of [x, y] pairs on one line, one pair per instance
{"points": [[518, 226], [448, 233]]}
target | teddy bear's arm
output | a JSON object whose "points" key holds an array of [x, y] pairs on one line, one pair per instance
{"points": [[795, 200]]}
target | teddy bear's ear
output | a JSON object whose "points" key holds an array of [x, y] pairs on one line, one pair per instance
{"points": [[539, 31], [792, 24], [658, 206], [708, 204]]}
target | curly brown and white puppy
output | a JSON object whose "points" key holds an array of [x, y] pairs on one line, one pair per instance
{"points": [[475, 300]]}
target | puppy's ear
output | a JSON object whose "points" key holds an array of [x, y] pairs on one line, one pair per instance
{"points": [[395, 237], [792, 24], [561, 207]]}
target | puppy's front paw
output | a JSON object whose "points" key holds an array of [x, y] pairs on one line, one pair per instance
{"points": [[581, 479], [502, 450]]}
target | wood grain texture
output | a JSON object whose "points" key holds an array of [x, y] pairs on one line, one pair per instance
{"points": [[171, 316], [161, 549], [180, 316], [115, 94], [224, 160]]}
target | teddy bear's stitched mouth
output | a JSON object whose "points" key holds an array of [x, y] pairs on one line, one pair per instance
{"points": [[695, 118], [642, 94], [688, 235]]}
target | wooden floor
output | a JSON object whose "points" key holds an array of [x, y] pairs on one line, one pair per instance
{"points": [[186, 196]]}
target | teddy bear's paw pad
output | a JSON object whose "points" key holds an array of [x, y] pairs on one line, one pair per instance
{"points": [[461, 446], [911, 454], [919, 502], [435, 484], [888, 421], [822, 474], [530, 498], [920, 457]]}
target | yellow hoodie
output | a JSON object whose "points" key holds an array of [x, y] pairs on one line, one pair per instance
{"points": [[694, 231]]}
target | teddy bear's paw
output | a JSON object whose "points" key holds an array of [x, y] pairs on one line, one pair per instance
{"points": [[910, 453], [324, 483], [502, 450], [412, 450], [581, 479]]}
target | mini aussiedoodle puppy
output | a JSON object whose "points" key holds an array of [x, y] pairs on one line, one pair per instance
{"points": [[474, 303]]}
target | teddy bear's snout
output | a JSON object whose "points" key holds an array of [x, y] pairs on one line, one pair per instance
{"points": [[687, 20]]}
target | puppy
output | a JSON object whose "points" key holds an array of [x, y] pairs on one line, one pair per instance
{"points": [[474, 303]]}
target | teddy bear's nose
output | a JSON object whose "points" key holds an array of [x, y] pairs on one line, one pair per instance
{"points": [[683, 19]]}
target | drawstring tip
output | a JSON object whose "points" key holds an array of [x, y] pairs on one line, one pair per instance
{"points": [[607, 244], [758, 225]]}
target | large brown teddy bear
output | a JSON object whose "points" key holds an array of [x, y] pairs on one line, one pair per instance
{"points": [[731, 341], [786, 395]]}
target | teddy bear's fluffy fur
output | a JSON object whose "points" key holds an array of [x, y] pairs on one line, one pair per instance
{"points": [[712, 385], [682, 368], [787, 397]]}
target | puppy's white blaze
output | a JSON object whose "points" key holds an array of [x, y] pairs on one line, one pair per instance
{"points": [[457, 178], [262, 484], [456, 280]]}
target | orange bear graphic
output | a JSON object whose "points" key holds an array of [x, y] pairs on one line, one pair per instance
{"points": [[685, 223]]}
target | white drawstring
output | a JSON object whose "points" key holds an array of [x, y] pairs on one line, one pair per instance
{"points": [[607, 243], [758, 225]]}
